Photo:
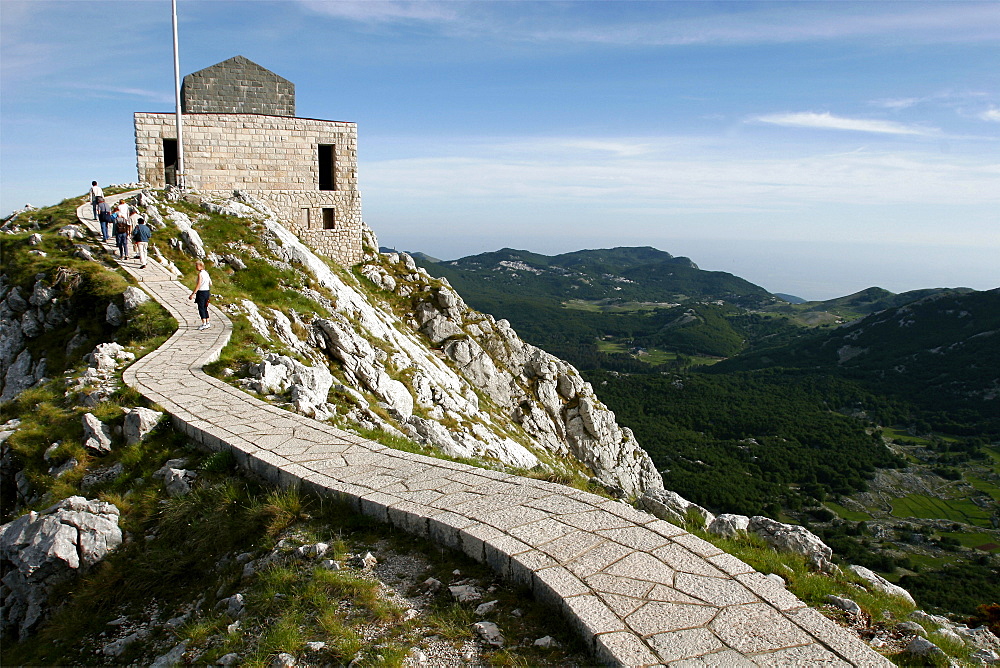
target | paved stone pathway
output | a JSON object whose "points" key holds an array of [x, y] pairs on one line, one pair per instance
{"points": [[639, 590]]}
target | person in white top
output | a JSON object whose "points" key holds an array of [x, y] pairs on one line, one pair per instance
{"points": [[202, 293], [95, 192]]}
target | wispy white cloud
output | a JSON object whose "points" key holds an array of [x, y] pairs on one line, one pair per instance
{"points": [[688, 179], [897, 103], [380, 11], [682, 23], [827, 121], [122, 93], [991, 114]]}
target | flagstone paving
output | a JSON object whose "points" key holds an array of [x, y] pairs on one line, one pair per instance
{"points": [[639, 590]]}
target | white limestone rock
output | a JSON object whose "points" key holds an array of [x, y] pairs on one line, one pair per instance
{"points": [[912, 628], [283, 660], [256, 320], [134, 298], [84, 252], [924, 648], [534, 392], [96, 434], [729, 525], [39, 551], [107, 356], [282, 327], [465, 593], [490, 633], [72, 232], [190, 239], [309, 386], [845, 604], [486, 608], [139, 422], [672, 507], [792, 538], [878, 582]]}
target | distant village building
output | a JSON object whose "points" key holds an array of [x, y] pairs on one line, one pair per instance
{"points": [[240, 132]]}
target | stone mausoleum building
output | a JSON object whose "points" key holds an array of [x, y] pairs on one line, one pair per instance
{"points": [[240, 132]]}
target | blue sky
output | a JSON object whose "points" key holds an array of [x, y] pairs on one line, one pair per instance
{"points": [[815, 148]]}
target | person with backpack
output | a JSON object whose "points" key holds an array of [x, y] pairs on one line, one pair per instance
{"points": [[121, 236], [140, 237], [104, 216]]}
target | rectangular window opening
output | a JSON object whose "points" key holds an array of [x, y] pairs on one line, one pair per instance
{"points": [[327, 167], [305, 218], [170, 162], [328, 221]]}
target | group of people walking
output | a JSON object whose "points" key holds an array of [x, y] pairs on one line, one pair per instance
{"points": [[126, 225]]}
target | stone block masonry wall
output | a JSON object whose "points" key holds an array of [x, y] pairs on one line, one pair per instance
{"points": [[274, 158], [237, 86]]}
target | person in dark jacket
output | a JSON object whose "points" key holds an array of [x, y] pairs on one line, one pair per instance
{"points": [[104, 216], [140, 237]]}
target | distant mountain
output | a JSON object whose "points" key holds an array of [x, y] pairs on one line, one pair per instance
{"points": [[625, 274], [791, 299], [859, 304], [941, 351]]}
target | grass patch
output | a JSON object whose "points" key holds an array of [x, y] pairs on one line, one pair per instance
{"points": [[974, 540], [926, 507], [984, 486], [853, 515]]}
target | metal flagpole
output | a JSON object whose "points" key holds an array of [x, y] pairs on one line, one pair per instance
{"points": [[177, 97]]}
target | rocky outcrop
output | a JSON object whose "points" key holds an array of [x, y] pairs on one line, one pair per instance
{"points": [[190, 240], [176, 479], [309, 386], [133, 298], [98, 381], [39, 551], [876, 581], [729, 525], [138, 423], [24, 317], [673, 507], [793, 538], [425, 371], [96, 434]]}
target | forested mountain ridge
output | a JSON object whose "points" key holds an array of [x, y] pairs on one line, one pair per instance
{"points": [[856, 305], [941, 352], [623, 274]]}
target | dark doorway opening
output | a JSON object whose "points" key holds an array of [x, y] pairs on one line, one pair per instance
{"points": [[170, 162], [327, 168]]}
